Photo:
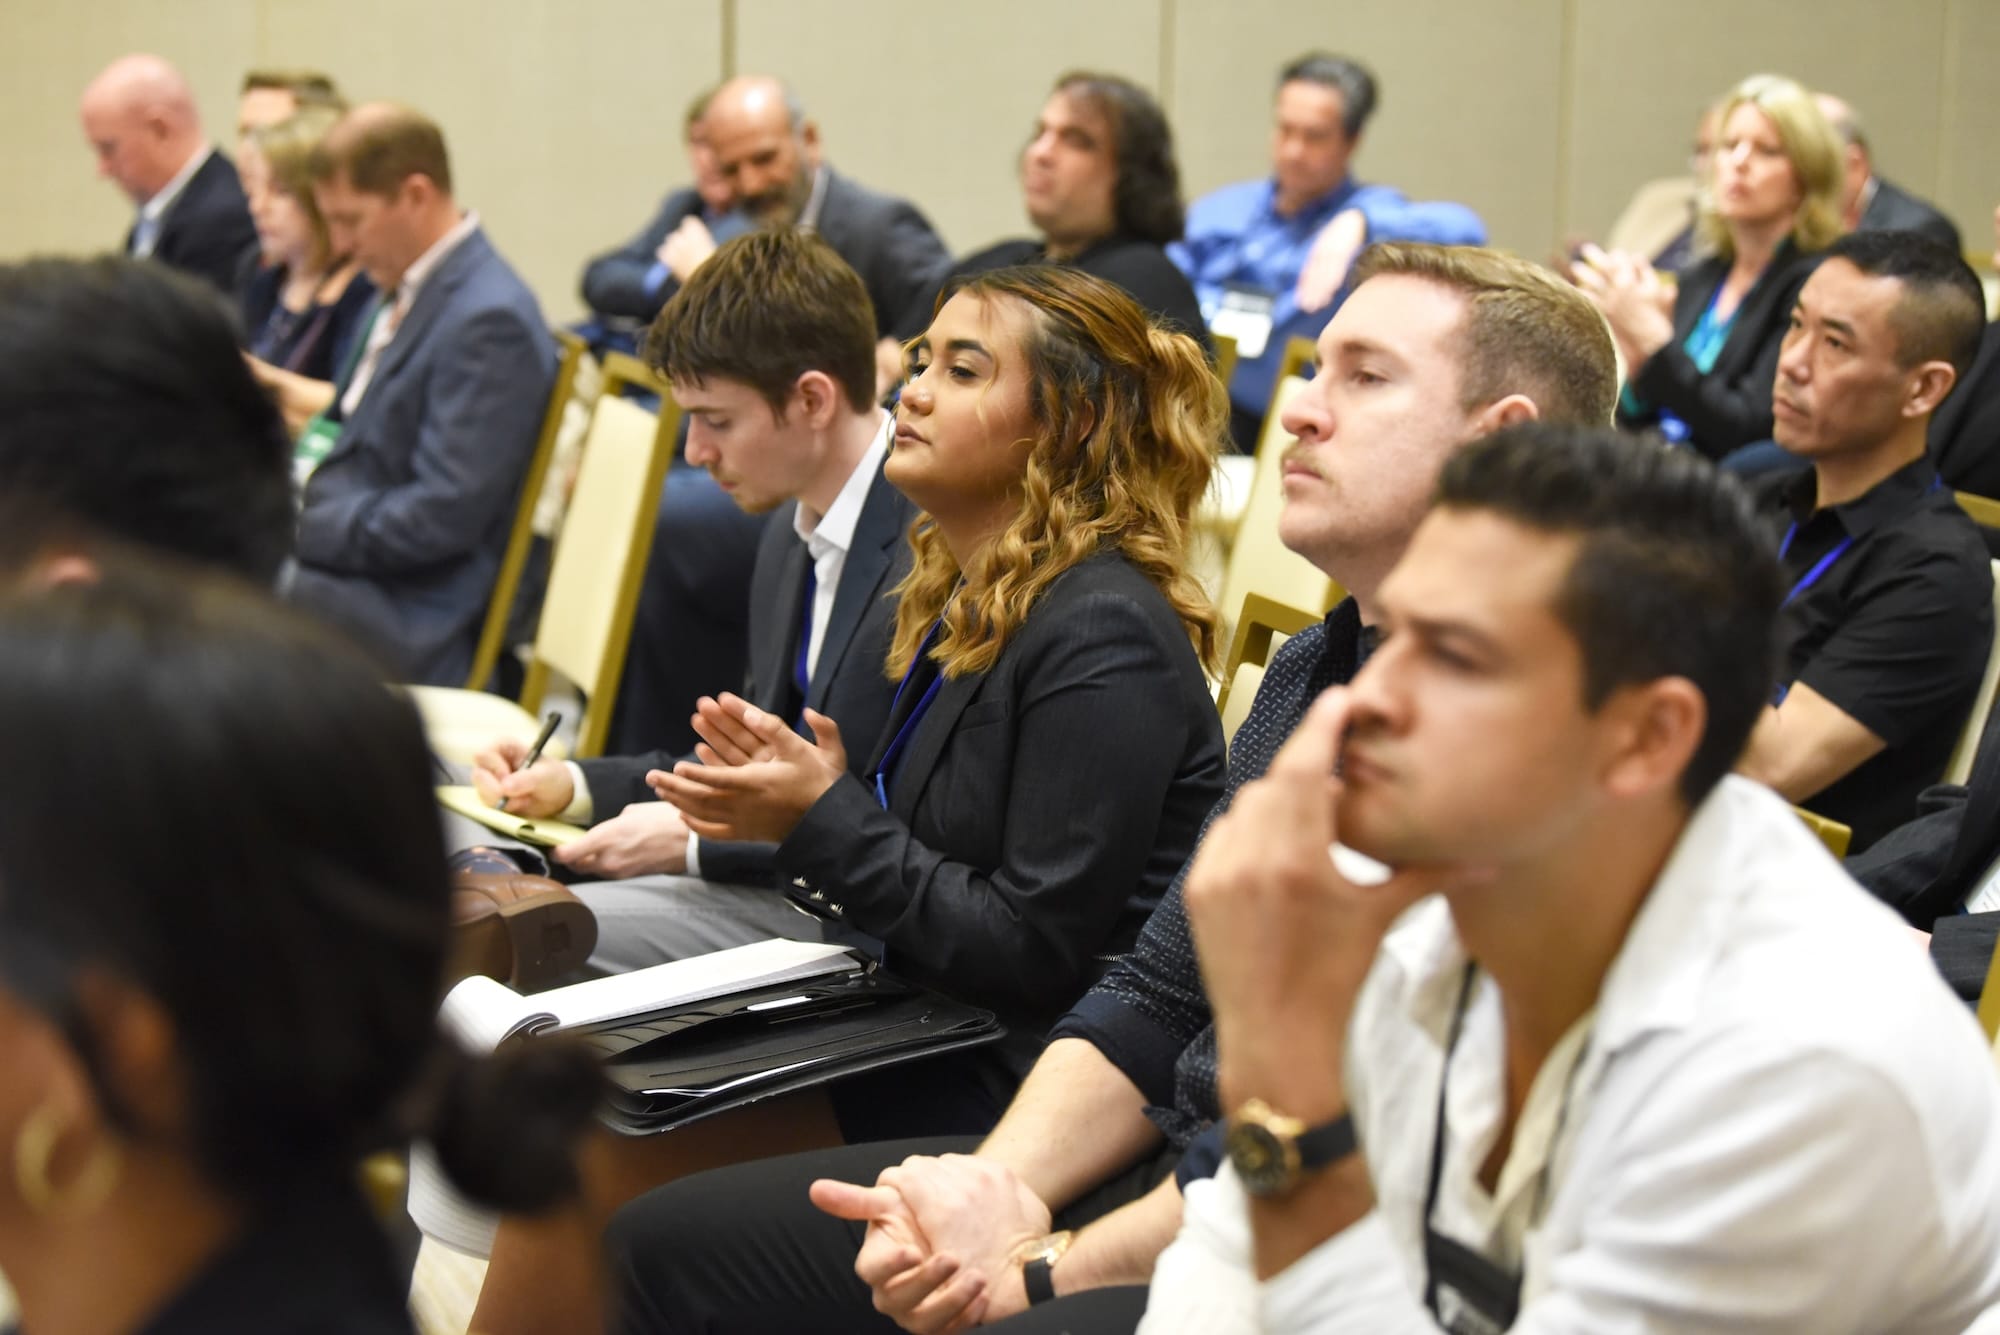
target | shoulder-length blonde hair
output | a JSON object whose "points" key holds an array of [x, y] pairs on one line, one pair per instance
{"points": [[1128, 420], [287, 147], [1811, 146]]}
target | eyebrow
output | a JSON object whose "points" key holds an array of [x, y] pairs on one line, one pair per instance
{"points": [[968, 345], [1364, 347], [1839, 326], [1462, 632]]}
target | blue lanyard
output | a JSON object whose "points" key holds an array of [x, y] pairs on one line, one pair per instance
{"points": [[894, 754], [1820, 567]]}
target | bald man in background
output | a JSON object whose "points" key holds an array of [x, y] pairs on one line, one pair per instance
{"points": [[140, 118], [1871, 203], [691, 630]]}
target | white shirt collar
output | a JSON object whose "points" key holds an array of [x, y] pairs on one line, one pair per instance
{"points": [[834, 530], [163, 199], [809, 215], [427, 263]]}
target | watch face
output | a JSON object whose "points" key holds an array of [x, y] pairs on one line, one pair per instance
{"points": [[1263, 1161]]}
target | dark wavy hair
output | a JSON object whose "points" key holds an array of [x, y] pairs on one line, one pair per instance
{"points": [[1147, 200], [297, 950]]}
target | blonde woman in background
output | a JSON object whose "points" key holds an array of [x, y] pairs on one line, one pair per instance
{"points": [[1700, 360]]}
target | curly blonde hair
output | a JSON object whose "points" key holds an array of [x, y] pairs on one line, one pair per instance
{"points": [[1129, 419]]}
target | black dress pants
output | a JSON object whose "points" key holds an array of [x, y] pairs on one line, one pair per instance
{"points": [[742, 1250]]}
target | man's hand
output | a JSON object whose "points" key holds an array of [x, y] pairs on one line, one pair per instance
{"points": [[1331, 256], [543, 790], [644, 838], [922, 1290], [1285, 941], [686, 247], [977, 1212], [756, 777]]}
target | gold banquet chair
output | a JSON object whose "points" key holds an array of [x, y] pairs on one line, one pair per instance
{"points": [[1959, 769], [507, 583], [1259, 626], [1832, 833], [594, 578]]}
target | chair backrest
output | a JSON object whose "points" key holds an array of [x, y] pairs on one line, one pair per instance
{"points": [[600, 560], [1260, 624], [1225, 357], [1989, 1003], [1258, 562], [1832, 833], [493, 632], [1960, 768], [1985, 512], [1300, 354]]}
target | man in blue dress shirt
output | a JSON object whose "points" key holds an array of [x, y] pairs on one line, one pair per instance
{"points": [[1268, 257]]}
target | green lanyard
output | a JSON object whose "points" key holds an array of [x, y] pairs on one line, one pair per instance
{"points": [[322, 433]]}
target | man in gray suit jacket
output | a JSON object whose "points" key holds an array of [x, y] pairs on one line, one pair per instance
{"points": [[1873, 203], [413, 473], [779, 396]]}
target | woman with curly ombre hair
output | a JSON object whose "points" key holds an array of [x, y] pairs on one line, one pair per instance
{"points": [[1053, 748]]}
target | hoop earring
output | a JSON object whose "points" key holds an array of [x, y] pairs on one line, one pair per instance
{"points": [[34, 1151]]}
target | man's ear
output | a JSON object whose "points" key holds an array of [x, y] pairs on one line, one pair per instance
{"points": [[1510, 411], [817, 398], [1658, 726], [1927, 387]]}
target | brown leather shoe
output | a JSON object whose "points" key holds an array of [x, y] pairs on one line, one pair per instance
{"points": [[527, 931]]}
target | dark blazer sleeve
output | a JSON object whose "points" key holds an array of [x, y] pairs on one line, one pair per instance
{"points": [[1965, 434], [1895, 208], [487, 375], [615, 282], [1151, 279], [890, 244], [1903, 866], [1962, 948], [1034, 829], [1729, 406], [208, 230]]}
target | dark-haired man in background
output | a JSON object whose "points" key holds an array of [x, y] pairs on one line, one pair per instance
{"points": [[1100, 184], [1885, 631], [1267, 257]]}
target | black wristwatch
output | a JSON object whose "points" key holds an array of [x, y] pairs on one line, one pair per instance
{"points": [[1038, 1267], [1273, 1153]]}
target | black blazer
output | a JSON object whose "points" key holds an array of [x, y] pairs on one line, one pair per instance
{"points": [[848, 683], [1730, 406], [1037, 814], [207, 230], [1896, 209], [615, 283], [885, 240]]}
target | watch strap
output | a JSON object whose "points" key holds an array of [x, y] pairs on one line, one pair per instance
{"points": [[1038, 1278], [1327, 1143]]}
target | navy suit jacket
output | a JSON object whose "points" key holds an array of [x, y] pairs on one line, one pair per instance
{"points": [[615, 283], [885, 240], [401, 528], [848, 683], [1894, 208], [1038, 812], [207, 231], [1965, 433]]}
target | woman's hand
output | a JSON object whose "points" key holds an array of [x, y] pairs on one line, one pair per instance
{"points": [[757, 777], [1637, 303]]}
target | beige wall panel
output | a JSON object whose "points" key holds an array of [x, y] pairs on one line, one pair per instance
{"points": [[563, 120], [1969, 141], [48, 52], [1643, 73], [1469, 96], [934, 102]]}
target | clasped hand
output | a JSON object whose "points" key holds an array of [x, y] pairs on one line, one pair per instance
{"points": [[944, 1242], [756, 777], [1636, 302]]}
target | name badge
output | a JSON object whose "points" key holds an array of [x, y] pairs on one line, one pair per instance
{"points": [[1244, 314], [315, 443]]}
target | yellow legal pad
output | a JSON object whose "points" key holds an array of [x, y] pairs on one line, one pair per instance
{"points": [[463, 799]]}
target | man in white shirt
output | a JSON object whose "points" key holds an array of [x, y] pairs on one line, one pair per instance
{"points": [[779, 396], [412, 473], [1589, 1048], [140, 118]]}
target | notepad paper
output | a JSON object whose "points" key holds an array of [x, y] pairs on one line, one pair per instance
{"points": [[543, 833], [482, 1013]]}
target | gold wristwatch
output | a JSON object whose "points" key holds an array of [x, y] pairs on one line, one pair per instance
{"points": [[1273, 1153], [1038, 1265]]}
